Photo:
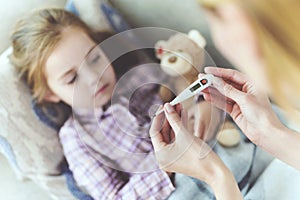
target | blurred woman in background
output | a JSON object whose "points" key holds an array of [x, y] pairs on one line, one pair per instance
{"points": [[261, 39]]}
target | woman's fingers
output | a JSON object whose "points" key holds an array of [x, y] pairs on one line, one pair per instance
{"points": [[230, 83], [184, 118], [213, 96], [161, 131], [199, 129], [173, 118], [226, 105], [156, 124], [228, 90], [155, 134], [228, 74], [165, 130]]}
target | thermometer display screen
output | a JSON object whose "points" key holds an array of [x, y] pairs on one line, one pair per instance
{"points": [[195, 87]]}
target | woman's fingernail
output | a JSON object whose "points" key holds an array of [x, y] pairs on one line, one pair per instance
{"points": [[169, 108]]}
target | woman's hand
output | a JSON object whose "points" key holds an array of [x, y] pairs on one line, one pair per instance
{"points": [[178, 150], [249, 108], [252, 112], [203, 120]]}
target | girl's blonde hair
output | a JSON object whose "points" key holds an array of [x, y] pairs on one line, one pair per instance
{"points": [[276, 23], [35, 37]]}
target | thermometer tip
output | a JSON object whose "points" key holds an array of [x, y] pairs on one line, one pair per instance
{"points": [[158, 112]]}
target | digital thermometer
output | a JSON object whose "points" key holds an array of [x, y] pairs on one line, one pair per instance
{"points": [[193, 89]]}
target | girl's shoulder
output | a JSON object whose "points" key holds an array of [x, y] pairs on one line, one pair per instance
{"points": [[68, 127]]}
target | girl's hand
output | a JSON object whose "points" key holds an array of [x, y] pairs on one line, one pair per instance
{"points": [[248, 107]]}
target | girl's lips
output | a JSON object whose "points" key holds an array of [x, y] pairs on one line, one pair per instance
{"points": [[101, 89]]}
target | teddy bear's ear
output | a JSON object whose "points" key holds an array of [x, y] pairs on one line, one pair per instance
{"points": [[197, 37], [160, 48]]}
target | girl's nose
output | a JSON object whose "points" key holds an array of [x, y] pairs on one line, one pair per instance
{"points": [[90, 76]]}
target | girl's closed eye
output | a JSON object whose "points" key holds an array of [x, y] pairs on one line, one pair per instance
{"points": [[96, 58], [72, 80]]}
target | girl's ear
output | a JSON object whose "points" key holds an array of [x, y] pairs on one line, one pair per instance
{"points": [[51, 97]]}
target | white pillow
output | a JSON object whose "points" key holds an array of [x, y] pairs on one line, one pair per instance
{"points": [[36, 148]]}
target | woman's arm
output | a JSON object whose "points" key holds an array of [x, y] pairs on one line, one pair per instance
{"points": [[218, 177], [225, 186], [283, 143]]}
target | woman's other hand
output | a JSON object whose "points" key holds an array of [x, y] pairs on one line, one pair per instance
{"points": [[249, 107]]}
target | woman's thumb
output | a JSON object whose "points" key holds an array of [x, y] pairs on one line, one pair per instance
{"points": [[173, 117]]}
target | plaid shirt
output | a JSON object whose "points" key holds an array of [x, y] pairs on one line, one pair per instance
{"points": [[110, 153]]}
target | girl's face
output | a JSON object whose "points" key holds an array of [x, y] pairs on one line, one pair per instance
{"points": [[78, 72]]}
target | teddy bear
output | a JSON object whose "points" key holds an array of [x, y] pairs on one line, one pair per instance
{"points": [[182, 58]]}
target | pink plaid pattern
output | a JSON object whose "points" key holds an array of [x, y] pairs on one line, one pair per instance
{"points": [[108, 151]]}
